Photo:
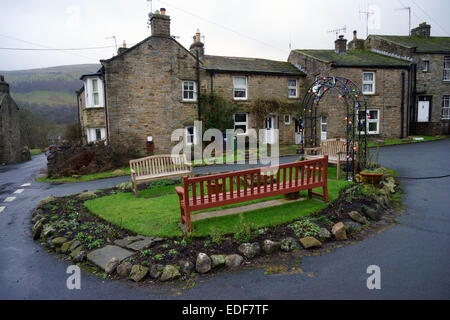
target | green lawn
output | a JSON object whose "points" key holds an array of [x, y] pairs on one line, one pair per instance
{"points": [[89, 177], [405, 141], [156, 212], [35, 152]]}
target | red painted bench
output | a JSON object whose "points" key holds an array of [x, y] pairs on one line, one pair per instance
{"points": [[250, 185]]}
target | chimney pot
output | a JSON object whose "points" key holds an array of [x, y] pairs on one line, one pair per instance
{"points": [[124, 44], [163, 11], [197, 46], [160, 23], [340, 45]]}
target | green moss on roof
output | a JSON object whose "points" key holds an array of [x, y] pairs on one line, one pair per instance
{"points": [[422, 44], [355, 58], [235, 64]]}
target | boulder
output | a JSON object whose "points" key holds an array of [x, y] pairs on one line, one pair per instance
{"points": [[203, 263], [217, 260], [288, 244], [371, 213], [48, 231], [124, 186], [270, 247], [250, 250], [356, 216], [156, 271], [310, 242], [111, 265], [58, 242], [75, 244], [36, 218], [124, 269], [186, 267], [47, 200], [389, 185], [87, 195], [66, 246], [37, 229], [80, 256], [169, 273], [324, 234], [233, 260], [138, 273], [339, 232], [352, 226], [37, 212], [76, 251]]}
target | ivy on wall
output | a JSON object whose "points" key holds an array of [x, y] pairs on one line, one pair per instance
{"points": [[262, 108], [217, 112]]}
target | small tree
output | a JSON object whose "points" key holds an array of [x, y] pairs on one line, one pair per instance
{"points": [[72, 133]]}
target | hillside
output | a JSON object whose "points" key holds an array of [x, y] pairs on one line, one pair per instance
{"points": [[49, 92]]}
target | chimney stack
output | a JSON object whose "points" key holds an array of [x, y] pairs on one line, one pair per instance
{"points": [[340, 45], [160, 23], [423, 30], [123, 48], [197, 45], [4, 86], [356, 44]]}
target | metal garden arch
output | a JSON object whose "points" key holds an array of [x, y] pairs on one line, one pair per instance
{"points": [[355, 105]]}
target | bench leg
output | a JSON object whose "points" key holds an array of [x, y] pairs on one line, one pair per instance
{"points": [[338, 175], [310, 193], [325, 192], [188, 221], [134, 185]]}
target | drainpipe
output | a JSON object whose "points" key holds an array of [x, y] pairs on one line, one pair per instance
{"points": [[106, 106], [402, 107], [79, 117], [408, 108]]}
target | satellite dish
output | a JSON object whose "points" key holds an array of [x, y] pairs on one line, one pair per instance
{"points": [[150, 15]]}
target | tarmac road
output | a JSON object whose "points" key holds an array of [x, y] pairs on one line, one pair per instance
{"points": [[413, 255]]}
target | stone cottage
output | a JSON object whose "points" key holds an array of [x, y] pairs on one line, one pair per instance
{"points": [[147, 91], [430, 108], [383, 80], [10, 149]]}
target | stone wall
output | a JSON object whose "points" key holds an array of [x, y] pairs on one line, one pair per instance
{"points": [[427, 84], [89, 117], [387, 97], [143, 93], [10, 147], [260, 87]]}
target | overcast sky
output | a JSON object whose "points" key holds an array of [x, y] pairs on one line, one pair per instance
{"points": [[247, 28]]}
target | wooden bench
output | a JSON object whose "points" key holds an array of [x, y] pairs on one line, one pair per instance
{"points": [[336, 149], [270, 181], [158, 168]]}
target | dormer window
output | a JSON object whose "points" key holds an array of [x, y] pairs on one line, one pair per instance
{"points": [[93, 88]]}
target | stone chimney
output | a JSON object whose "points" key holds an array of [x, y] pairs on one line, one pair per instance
{"points": [[423, 30], [123, 48], [356, 44], [160, 23], [197, 46], [4, 86], [340, 45]]}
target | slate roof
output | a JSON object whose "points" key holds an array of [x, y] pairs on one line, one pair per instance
{"points": [[2, 95], [356, 58], [422, 44], [249, 65]]}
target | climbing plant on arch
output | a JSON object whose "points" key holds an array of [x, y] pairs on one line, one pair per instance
{"points": [[354, 104]]}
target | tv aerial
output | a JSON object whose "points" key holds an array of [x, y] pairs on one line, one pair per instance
{"points": [[338, 30], [150, 15]]}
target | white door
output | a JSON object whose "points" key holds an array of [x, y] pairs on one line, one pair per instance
{"points": [[270, 126], [298, 132], [323, 128], [423, 114]]}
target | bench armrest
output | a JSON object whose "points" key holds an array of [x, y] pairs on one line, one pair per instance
{"points": [[313, 149], [180, 192], [132, 171]]}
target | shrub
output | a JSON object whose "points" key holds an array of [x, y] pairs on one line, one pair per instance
{"points": [[305, 228]]}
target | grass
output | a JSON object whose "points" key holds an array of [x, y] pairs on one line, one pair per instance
{"points": [[156, 212], [405, 141], [35, 152], [89, 177]]}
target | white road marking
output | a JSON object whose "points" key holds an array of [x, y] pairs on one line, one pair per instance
{"points": [[19, 191], [1, 209], [10, 199], [26, 185]]}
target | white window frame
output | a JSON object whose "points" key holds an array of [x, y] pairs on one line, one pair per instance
{"points": [[293, 88], [446, 75], [445, 108], [235, 88], [368, 121], [91, 135], [241, 123], [372, 82], [194, 90], [287, 122], [89, 93], [193, 135], [426, 66]]}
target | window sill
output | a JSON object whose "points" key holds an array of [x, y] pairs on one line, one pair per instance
{"points": [[188, 101], [293, 98], [96, 107]]}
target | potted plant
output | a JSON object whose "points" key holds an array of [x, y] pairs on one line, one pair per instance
{"points": [[373, 173]]}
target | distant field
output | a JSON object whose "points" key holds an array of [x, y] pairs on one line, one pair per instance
{"points": [[49, 92]]}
